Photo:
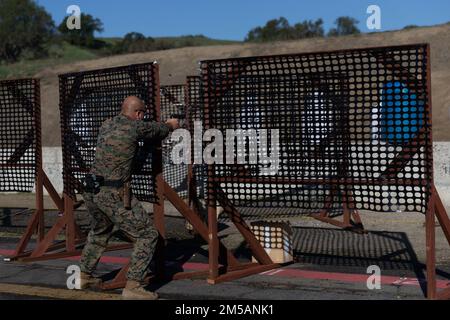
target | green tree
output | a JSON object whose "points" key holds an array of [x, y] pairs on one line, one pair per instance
{"points": [[85, 36], [308, 29], [133, 37], [344, 26], [276, 29], [25, 27], [280, 29], [134, 42]]}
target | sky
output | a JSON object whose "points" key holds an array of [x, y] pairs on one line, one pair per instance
{"points": [[232, 19]]}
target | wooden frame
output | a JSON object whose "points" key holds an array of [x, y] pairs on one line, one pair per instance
{"points": [[435, 206]]}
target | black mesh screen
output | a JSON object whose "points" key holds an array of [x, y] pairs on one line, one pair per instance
{"points": [[87, 99], [354, 126], [173, 106], [195, 111], [20, 140]]}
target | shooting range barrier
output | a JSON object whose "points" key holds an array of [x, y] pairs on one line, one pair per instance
{"points": [[188, 180], [21, 152], [86, 100], [195, 113], [20, 141], [354, 129], [173, 105], [196, 172]]}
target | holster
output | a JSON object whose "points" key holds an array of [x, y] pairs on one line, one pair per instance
{"points": [[127, 195], [92, 183]]}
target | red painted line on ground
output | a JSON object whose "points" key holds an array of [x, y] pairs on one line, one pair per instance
{"points": [[104, 259], [292, 273], [194, 266], [6, 252], [123, 260], [351, 277]]}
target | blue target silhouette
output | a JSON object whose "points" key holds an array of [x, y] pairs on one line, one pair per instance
{"points": [[401, 113]]}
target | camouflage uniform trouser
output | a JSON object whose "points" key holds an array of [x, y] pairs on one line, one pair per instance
{"points": [[109, 215]]}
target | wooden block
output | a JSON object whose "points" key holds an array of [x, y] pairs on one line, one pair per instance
{"points": [[276, 239]]}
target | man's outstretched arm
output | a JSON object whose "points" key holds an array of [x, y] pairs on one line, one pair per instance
{"points": [[157, 130]]}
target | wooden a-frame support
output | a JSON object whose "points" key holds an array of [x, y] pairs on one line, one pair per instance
{"points": [[221, 259], [351, 218], [264, 261], [47, 247], [228, 261]]}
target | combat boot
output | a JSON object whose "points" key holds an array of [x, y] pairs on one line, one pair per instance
{"points": [[88, 281], [135, 291]]}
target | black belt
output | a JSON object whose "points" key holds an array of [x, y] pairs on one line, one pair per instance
{"points": [[92, 183], [113, 183]]}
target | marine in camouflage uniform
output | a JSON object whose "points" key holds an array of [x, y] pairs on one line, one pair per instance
{"points": [[116, 148]]}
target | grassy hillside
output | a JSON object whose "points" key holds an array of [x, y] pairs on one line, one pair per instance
{"points": [[60, 55], [65, 53]]}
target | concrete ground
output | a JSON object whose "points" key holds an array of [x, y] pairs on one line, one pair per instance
{"points": [[329, 263]]}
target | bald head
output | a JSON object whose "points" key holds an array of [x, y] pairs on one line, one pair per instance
{"points": [[133, 108]]}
